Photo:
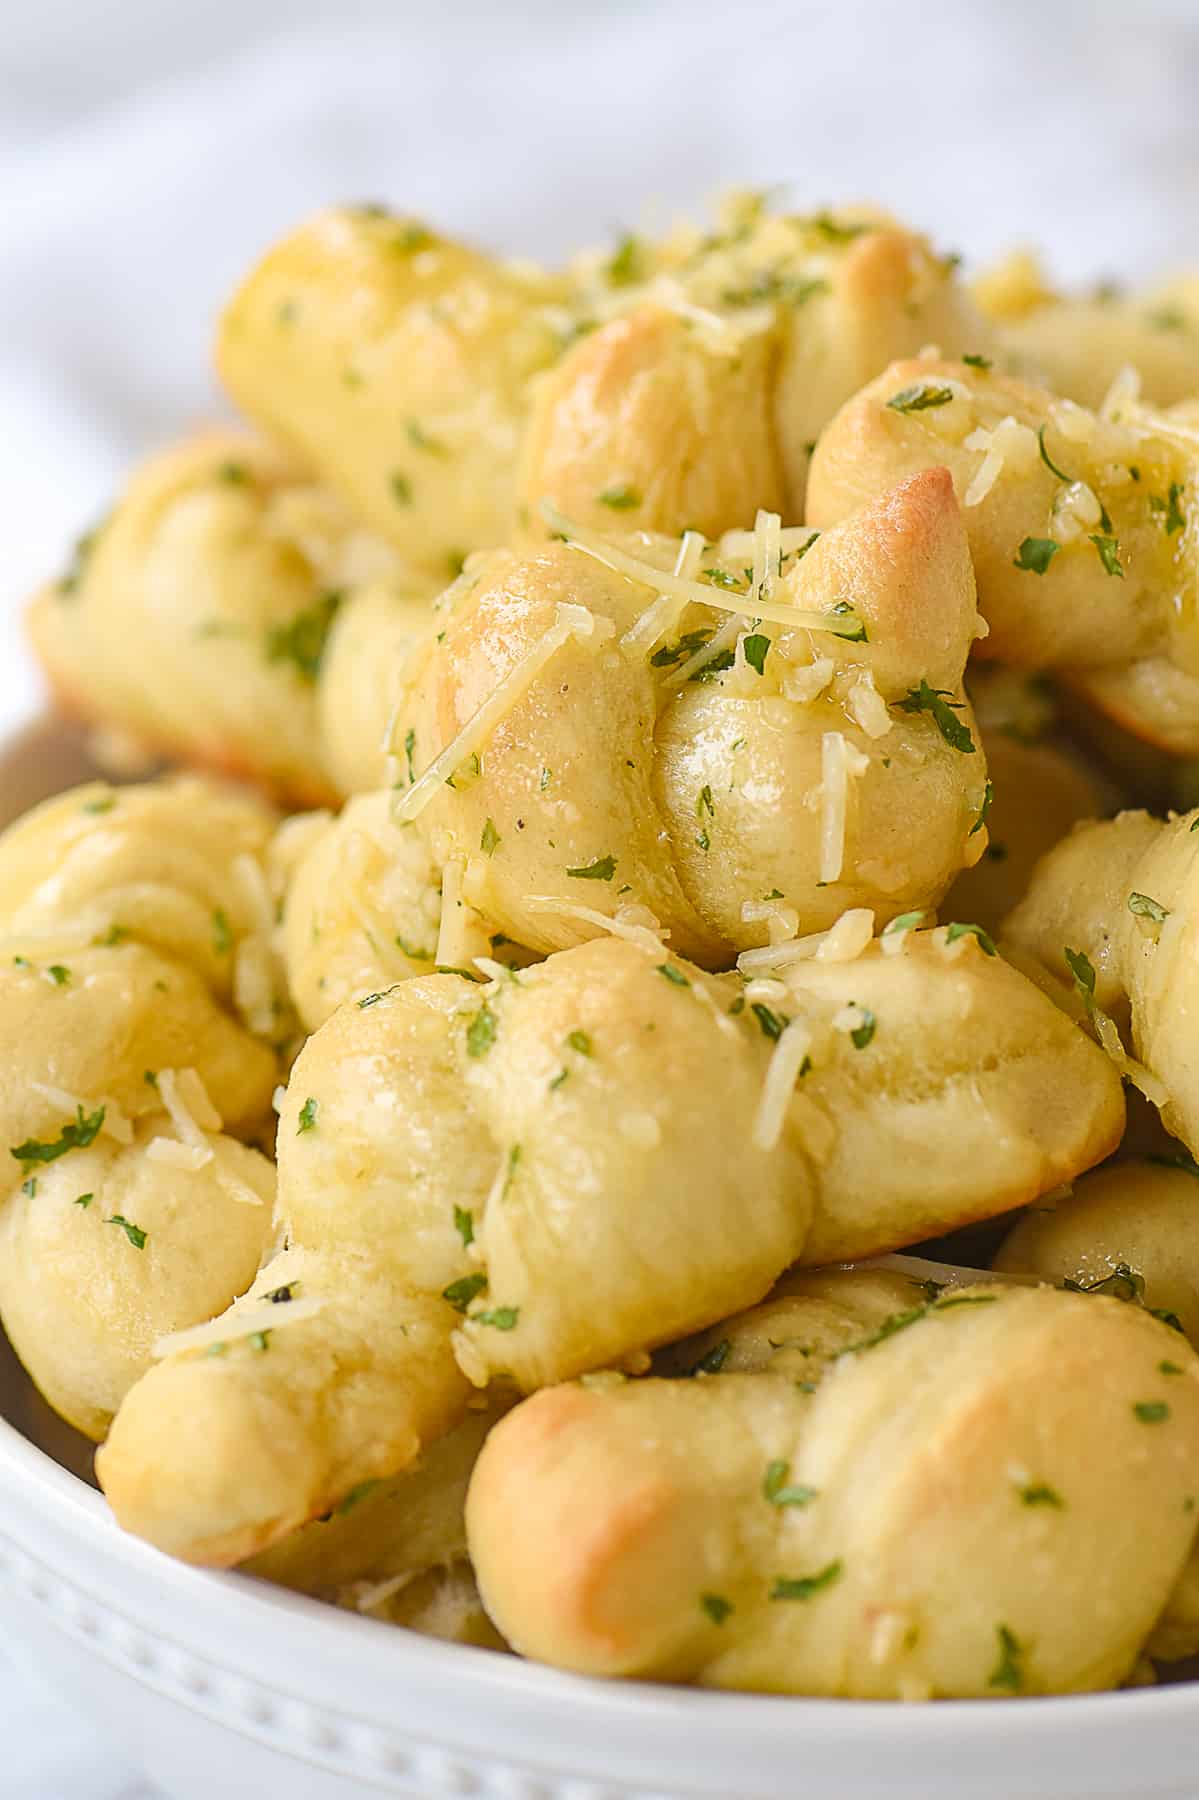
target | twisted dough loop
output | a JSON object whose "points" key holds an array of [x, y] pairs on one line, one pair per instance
{"points": [[119, 1224], [609, 781], [525, 1181], [923, 1517], [1124, 892], [1078, 539], [225, 567]]}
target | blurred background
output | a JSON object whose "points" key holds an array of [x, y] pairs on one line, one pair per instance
{"points": [[150, 148]]}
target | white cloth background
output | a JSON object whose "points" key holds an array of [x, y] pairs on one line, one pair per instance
{"points": [[149, 148]]}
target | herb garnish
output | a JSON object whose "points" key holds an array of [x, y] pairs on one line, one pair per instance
{"points": [[956, 930], [920, 398], [302, 640], [75, 1136], [802, 1587], [1035, 554], [460, 1293], [943, 711], [480, 1033], [135, 1234], [1008, 1672], [776, 1489], [602, 869], [308, 1112]]}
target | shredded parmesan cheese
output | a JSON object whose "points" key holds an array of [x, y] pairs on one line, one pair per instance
{"points": [[186, 1100], [636, 924], [660, 619], [461, 934], [470, 1359], [839, 760], [235, 1325], [781, 920], [699, 593], [177, 1155], [569, 622], [786, 1060]]}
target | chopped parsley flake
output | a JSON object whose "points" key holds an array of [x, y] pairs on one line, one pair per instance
{"points": [[673, 974], [481, 1032], [84, 1200], [1039, 1494], [943, 711], [755, 648], [409, 747], [1168, 1368], [374, 999], [222, 937], [401, 489], [1109, 554], [984, 809], [956, 930], [919, 398], [776, 1489], [716, 1607], [489, 839], [460, 1293], [420, 439], [1146, 908], [30, 1187], [903, 922], [724, 659], [579, 1040], [1151, 1412], [103, 805], [861, 1034], [1080, 966], [669, 654], [974, 361], [622, 267], [134, 1233], [357, 1493], [620, 498], [712, 1361], [1007, 1672], [602, 869], [843, 622], [58, 974], [802, 1587], [1048, 460], [413, 952], [308, 1114], [260, 1341], [302, 640], [75, 1136], [1169, 512], [464, 1224], [501, 1318], [772, 1024], [1035, 554], [544, 782]]}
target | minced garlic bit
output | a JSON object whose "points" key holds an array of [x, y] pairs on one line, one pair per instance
{"points": [[808, 682], [570, 621], [867, 707], [1008, 444], [786, 1060]]}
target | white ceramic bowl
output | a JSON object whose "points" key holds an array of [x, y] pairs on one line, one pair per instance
{"points": [[227, 1689]]}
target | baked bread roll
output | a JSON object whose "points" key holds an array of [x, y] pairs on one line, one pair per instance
{"points": [[225, 568], [1076, 523], [680, 384], [522, 1181], [1078, 344], [127, 918], [880, 1509], [1121, 898], [574, 743]]}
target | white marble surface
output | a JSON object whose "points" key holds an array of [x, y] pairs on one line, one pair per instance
{"points": [[148, 149]]}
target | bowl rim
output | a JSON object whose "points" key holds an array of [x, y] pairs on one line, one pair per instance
{"points": [[972, 1726]]}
